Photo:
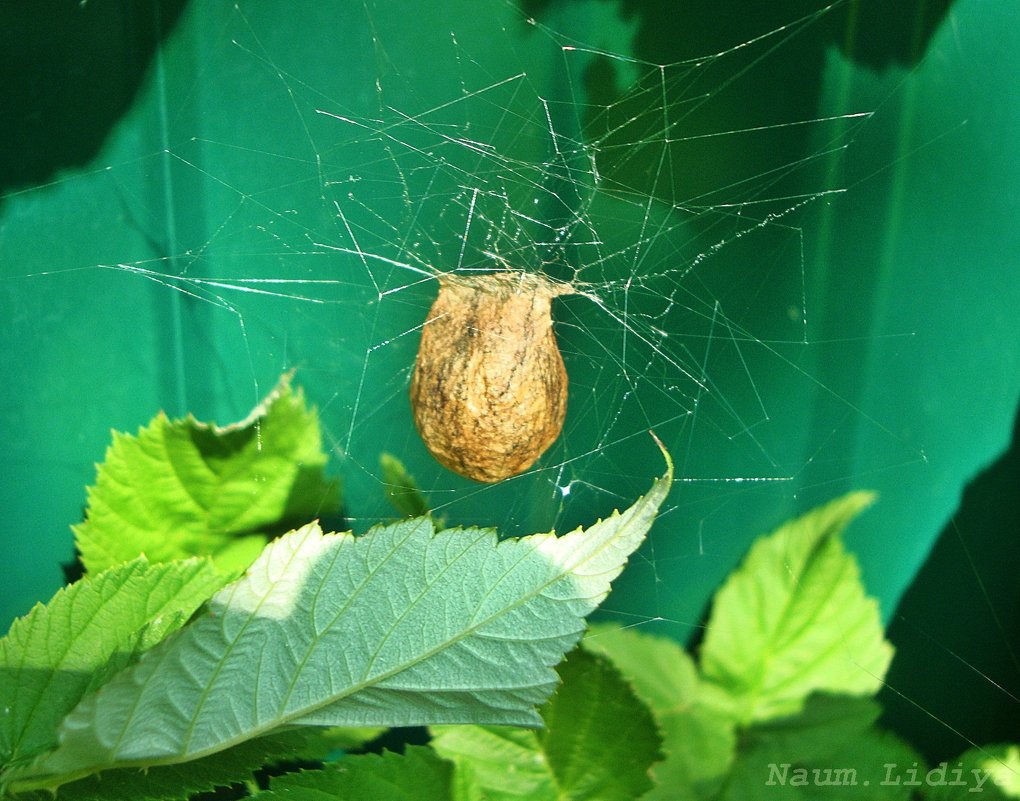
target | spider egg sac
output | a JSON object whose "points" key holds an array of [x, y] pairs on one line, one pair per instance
{"points": [[489, 390]]}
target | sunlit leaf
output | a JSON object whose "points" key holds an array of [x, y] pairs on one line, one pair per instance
{"points": [[794, 619], [85, 634], [402, 626], [991, 773], [182, 488]]}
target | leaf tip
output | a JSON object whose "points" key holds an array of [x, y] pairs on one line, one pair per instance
{"points": [[665, 455]]}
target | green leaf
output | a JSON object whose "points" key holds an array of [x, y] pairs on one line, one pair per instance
{"points": [[698, 743], [830, 750], [164, 782], [324, 744], [417, 775], [1002, 763], [401, 488], [496, 763], [598, 744], [794, 619], [661, 672], [991, 773], [402, 626], [599, 739], [87, 632], [182, 488]]}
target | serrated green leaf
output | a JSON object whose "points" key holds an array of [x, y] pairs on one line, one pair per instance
{"points": [[402, 626], [991, 773], [698, 743], [416, 775], [599, 739], [401, 488], [85, 634], [183, 488], [794, 619], [234, 766], [830, 750], [598, 744], [658, 669]]}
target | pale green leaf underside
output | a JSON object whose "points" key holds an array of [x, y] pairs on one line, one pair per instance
{"points": [[402, 626], [794, 619], [182, 488]]}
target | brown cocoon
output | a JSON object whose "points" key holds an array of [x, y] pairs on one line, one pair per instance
{"points": [[489, 390]]}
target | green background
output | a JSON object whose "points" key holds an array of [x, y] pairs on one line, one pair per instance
{"points": [[183, 143]]}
